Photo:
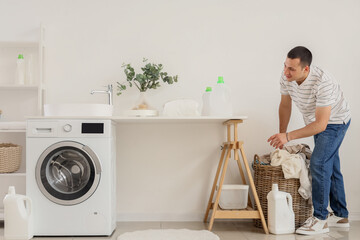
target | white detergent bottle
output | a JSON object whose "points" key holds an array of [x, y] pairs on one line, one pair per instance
{"points": [[17, 216], [20, 70], [281, 217], [220, 100], [29, 78], [206, 109]]}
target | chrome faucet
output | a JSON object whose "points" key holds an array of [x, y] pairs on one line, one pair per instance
{"points": [[109, 91]]}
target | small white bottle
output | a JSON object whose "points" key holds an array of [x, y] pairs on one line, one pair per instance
{"points": [[281, 217], [29, 70], [20, 70], [206, 106], [221, 104]]}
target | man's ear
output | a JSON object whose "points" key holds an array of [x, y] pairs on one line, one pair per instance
{"points": [[307, 68]]}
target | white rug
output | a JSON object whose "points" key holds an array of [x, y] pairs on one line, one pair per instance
{"points": [[169, 234]]}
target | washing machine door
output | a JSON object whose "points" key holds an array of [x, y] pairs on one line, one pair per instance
{"points": [[68, 172]]}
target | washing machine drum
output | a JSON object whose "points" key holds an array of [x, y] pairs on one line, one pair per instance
{"points": [[68, 172]]}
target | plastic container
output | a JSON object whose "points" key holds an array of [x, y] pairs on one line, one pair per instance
{"points": [[234, 196], [20, 70], [17, 216], [29, 78], [281, 218], [220, 99], [206, 109]]}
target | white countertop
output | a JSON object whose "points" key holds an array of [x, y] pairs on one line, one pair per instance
{"points": [[159, 119]]}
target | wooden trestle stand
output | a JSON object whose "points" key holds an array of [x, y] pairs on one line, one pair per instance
{"points": [[249, 212]]}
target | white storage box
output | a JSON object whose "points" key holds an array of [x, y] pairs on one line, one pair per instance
{"points": [[234, 196]]}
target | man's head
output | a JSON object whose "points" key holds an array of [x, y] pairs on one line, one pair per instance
{"points": [[297, 64]]}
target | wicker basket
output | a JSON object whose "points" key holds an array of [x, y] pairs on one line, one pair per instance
{"points": [[264, 177], [10, 157]]}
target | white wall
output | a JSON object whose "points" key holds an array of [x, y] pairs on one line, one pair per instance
{"points": [[244, 41]]}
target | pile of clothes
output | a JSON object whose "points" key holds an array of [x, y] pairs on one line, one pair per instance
{"points": [[295, 163]]}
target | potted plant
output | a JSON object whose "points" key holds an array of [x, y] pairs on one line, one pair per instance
{"points": [[150, 78]]}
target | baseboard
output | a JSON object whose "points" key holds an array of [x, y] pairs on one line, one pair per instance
{"points": [[164, 217], [171, 217], [354, 216]]}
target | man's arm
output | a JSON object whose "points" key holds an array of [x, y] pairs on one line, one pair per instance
{"points": [[284, 113], [322, 116]]}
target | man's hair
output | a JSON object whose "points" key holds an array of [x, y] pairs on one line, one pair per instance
{"points": [[302, 53]]}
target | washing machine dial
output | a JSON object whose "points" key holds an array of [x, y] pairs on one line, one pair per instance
{"points": [[67, 128]]}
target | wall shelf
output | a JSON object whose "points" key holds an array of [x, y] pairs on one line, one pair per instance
{"points": [[12, 130], [15, 174], [19, 101], [12, 126], [19, 87], [19, 44]]}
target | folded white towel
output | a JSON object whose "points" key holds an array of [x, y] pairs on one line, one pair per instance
{"points": [[12, 125], [181, 108]]}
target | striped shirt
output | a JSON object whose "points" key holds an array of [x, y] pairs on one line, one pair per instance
{"points": [[318, 90]]}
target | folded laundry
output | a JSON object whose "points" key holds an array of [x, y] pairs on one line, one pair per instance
{"points": [[12, 125], [181, 108]]}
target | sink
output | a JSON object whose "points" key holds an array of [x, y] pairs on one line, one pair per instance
{"points": [[75, 110]]}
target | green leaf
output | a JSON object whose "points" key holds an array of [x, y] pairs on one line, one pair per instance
{"points": [[148, 79]]}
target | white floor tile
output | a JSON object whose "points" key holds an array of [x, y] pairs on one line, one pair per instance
{"points": [[226, 230]]}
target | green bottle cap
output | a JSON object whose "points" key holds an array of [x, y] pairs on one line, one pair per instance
{"points": [[21, 56], [208, 89], [220, 80]]}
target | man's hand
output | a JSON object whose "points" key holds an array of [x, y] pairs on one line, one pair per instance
{"points": [[278, 140]]}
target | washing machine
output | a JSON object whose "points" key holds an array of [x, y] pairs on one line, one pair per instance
{"points": [[70, 176]]}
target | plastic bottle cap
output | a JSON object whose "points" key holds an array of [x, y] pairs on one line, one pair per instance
{"points": [[208, 89], [220, 80], [11, 190], [275, 187], [21, 56]]}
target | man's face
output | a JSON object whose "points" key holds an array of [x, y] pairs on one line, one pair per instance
{"points": [[293, 70]]}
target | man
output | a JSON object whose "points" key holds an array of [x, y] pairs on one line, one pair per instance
{"points": [[327, 117]]}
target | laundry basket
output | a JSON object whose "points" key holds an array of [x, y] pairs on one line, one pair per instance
{"points": [[10, 157], [264, 177]]}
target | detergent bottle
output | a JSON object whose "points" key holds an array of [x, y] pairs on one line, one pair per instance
{"points": [[20, 70], [17, 216], [220, 99], [206, 107], [281, 217]]}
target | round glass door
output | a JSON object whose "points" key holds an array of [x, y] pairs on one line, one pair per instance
{"points": [[68, 172]]}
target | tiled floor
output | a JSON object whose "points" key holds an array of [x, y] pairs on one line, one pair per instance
{"points": [[226, 230]]}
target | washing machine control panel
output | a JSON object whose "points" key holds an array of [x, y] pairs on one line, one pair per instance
{"points": [[69, 128]]}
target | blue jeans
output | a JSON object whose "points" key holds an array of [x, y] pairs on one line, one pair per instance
{"points": [[327, 180]]}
